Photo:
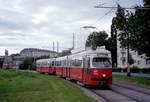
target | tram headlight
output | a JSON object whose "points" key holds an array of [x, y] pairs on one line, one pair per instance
{"points": [[103, 75]]}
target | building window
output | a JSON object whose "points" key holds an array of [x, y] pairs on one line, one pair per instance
{"points": [[123, 54], [147, 61], [138, 62], [123, 60], [134, 61]]}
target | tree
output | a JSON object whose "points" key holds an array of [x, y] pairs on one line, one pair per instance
{"points": [[139, 24], [122, 25], [134, 28], [27, 64], [101, 39], [111, 46], [65, 52], [112, 42], [1, 62], [96, 39], [43, 57]]}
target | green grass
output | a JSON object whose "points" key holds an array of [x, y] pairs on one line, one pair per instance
{"points": [[134, 79], [18, 86]]}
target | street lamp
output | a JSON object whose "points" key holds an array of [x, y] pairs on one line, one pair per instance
{"points": [[91, 27]]}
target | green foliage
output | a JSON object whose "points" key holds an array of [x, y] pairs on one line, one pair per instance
{"points": [[121, 23], [65, 52], [145, 70], [101, 39], [112, 46], [96, 39], [140, 33], [27, 64], [114, 69], [18, 86], [133, 69], [113, 42], [43, 57], [134, 28], [1, 62]]}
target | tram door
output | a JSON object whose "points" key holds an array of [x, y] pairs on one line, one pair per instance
{"points": [[86, 66]]}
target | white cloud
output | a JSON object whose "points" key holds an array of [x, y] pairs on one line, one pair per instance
{"points": [[37, 23], [37, 18]]}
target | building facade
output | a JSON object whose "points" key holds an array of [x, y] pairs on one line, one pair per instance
{"points": [[13, 61], [33, 52], [140, 61]]}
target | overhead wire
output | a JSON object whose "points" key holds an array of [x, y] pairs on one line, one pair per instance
{"points": [[99, 19]]}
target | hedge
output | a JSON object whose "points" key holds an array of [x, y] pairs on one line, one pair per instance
{"points": [[132, 69]]}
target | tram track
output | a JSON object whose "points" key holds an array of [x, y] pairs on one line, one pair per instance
{"points": [[114, 96], [132, 89], [105, 99], [118, 93], [133, 92]]}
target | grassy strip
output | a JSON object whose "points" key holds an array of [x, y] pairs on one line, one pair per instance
{"points": [[28, 87], [134, 79]]}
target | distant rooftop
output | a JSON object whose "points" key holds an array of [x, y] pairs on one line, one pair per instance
{"points": [[36, 49]]}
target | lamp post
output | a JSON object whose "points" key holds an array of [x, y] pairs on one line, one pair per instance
{"points": [[128, 56], [128, 52]]}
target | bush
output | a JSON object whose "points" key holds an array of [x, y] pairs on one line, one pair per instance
{"points": [[27, 64], [133, 69], [145, 70], [115, 69], [32, 67]]}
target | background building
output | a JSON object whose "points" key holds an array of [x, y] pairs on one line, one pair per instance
{"points": [[13, 61], [33, 52], [140, 61]]}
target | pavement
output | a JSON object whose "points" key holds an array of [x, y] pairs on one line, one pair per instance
{"points": [[132, 74]]}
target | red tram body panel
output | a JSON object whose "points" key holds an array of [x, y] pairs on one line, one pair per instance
{"points": [[87, 67]]}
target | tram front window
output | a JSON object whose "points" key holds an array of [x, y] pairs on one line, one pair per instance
{"points": [[101, 62]]}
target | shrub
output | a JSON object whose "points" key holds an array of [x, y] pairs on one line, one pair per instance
{"points": [[115, 69], [145, 70], [27, 64], [133, 69]]}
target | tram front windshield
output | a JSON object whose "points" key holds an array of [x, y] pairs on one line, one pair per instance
{"points": [[101, 62]]}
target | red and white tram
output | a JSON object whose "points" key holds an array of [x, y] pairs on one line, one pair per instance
{"points": [[6, 66], [92, 67], [46, 66]]}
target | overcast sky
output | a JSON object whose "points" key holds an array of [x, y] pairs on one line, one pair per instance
{"points": [[37, 23]]}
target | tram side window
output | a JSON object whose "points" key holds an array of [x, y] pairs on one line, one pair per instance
{"points": [[44, 64], [48, 64], [69, 63], [101, 62], [53, 63], [37, 64], [72, 63], [76, 63], [58, 63], [64, 63]]}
